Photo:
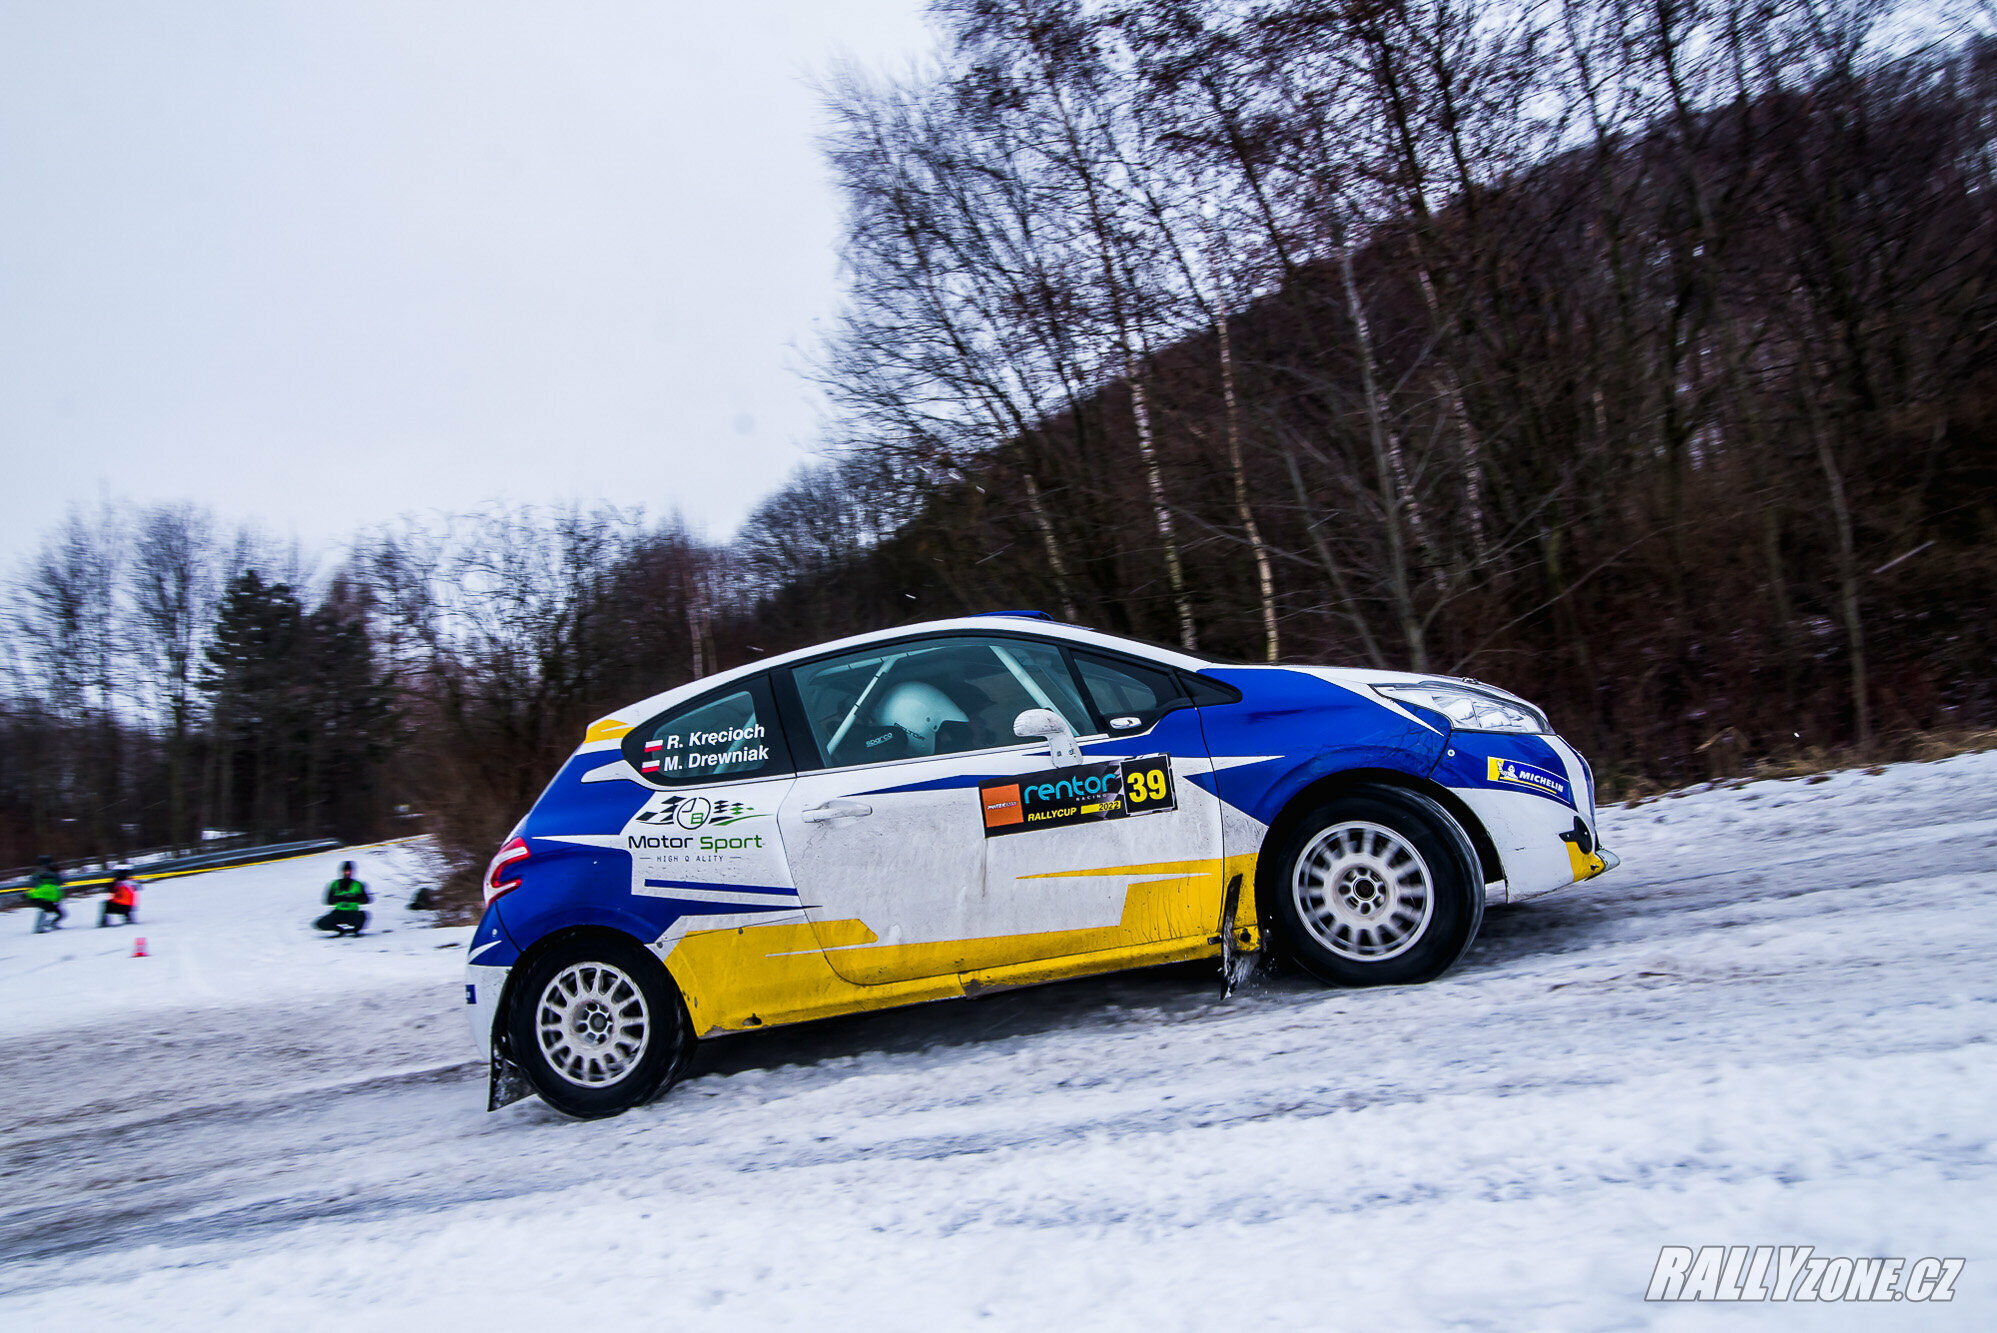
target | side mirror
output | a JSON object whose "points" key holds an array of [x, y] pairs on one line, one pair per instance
{"points": [[1050, 725]]}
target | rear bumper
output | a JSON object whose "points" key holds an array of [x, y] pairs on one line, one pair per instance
{"points": [[488, 962], [485, 989]]}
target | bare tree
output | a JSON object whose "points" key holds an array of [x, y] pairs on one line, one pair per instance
{"points": [[173, 582], [68, 618]]}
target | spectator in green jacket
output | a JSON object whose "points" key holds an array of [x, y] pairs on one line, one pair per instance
{"points": [[346, 895], [45, 892]]}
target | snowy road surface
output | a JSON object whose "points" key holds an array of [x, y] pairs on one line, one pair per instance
{"points": [[1772, 1026]]}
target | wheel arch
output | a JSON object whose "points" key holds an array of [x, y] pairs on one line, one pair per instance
{"points": [[533, 953], [1333, 785]]}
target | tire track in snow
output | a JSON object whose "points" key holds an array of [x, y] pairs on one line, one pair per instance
{"points": [[1642, 978]]}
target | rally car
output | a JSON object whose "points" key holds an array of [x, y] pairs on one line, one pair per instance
{"points": [[949, 808]]}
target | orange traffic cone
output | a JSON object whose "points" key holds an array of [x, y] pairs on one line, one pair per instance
{"points": [[139, 947]]}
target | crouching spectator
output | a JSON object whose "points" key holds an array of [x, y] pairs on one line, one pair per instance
{"points": [[346, 895], [124, 900]]}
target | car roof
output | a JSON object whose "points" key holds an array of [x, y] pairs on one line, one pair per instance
{"points": [[1032, 624]]}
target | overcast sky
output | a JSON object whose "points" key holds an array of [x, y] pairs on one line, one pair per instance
{"points": [[318, 264]]}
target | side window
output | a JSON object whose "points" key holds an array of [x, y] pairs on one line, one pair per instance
{"points": [[728, 735], [933, 696], [1129, 696]]}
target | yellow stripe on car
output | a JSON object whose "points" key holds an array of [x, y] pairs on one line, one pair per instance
{"points": [[1170, 914]]}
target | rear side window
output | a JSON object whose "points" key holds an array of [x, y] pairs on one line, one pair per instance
{"points": [[924, 697], [1127, 695], [731, 734]]}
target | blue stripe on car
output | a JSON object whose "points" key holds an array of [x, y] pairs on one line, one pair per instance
{"points": [[729, 888], [1321, 728], [1469, 764]]}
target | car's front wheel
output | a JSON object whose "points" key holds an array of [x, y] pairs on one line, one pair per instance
{"points": [[597, 1026], [1376, 887]]}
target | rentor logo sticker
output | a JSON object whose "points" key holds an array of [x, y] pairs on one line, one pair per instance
{"points": [[1085, 794]]}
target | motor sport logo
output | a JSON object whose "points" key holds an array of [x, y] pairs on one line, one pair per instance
{"points": [[1796, 1273], [1517, 773], [1081, 795], [692, 812]]}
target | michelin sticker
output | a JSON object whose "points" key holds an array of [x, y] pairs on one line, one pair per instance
{"points": [[677, 840], [1080, 795], [1513, 773]]}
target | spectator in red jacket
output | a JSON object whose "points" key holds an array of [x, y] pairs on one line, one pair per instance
{"points": [[124, 899]]}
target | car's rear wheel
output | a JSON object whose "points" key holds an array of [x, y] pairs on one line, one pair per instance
{"points": [[597, 1026], [1376, 887]]}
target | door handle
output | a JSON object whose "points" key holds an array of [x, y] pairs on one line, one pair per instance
{"points": [[818, 814]]}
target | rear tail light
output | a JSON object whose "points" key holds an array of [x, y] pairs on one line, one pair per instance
{"points": [[514, 852]]}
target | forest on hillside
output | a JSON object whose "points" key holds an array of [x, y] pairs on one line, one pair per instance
{"points": [[1636, 358]]}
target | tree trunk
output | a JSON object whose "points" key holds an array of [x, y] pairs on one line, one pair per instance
{"points": [[1161, 512], [1389, 468], [1848, 590], [1050, 545], [1331, 569], [1264, 578]]}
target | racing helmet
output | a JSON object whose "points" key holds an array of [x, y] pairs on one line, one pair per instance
{"points": [[918, 708]]}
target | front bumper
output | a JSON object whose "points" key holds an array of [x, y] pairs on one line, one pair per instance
{"points": [[1543, 847], [1535, 798]]}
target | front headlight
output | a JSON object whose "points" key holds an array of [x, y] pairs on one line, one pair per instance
{"points": [[1469, 708]]}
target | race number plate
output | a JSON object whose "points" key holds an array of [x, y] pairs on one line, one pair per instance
{"points": [[1084, 794]]}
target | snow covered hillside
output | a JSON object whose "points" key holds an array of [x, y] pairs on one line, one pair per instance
{"points": [[1773, 1025]]}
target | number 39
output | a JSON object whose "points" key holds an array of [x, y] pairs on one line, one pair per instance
{"points": [[1148, 785]]}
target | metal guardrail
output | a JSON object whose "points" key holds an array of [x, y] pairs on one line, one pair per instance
{"points": [[189, 865], [137, 857]]}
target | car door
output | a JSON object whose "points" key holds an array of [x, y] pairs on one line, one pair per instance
{"points": [[902, 842], [1147, 875]]}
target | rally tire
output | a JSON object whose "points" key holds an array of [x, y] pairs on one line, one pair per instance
{"points": [[597, 1025], [1376, 887]]}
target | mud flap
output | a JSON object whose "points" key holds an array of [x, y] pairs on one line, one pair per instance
{"points": [[505, 1083], [1236, 964]]}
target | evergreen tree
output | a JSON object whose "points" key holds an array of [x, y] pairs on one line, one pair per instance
{"points": [[253, 677], [353, 719], [303, 716]]}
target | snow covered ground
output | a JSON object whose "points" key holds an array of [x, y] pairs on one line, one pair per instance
{"points": [[1772, 1026]]}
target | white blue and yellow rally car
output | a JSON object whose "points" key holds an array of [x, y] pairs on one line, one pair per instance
{"points": [[948, 808]]}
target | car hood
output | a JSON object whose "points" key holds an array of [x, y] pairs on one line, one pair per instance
{"points": [[1358, 678]]}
